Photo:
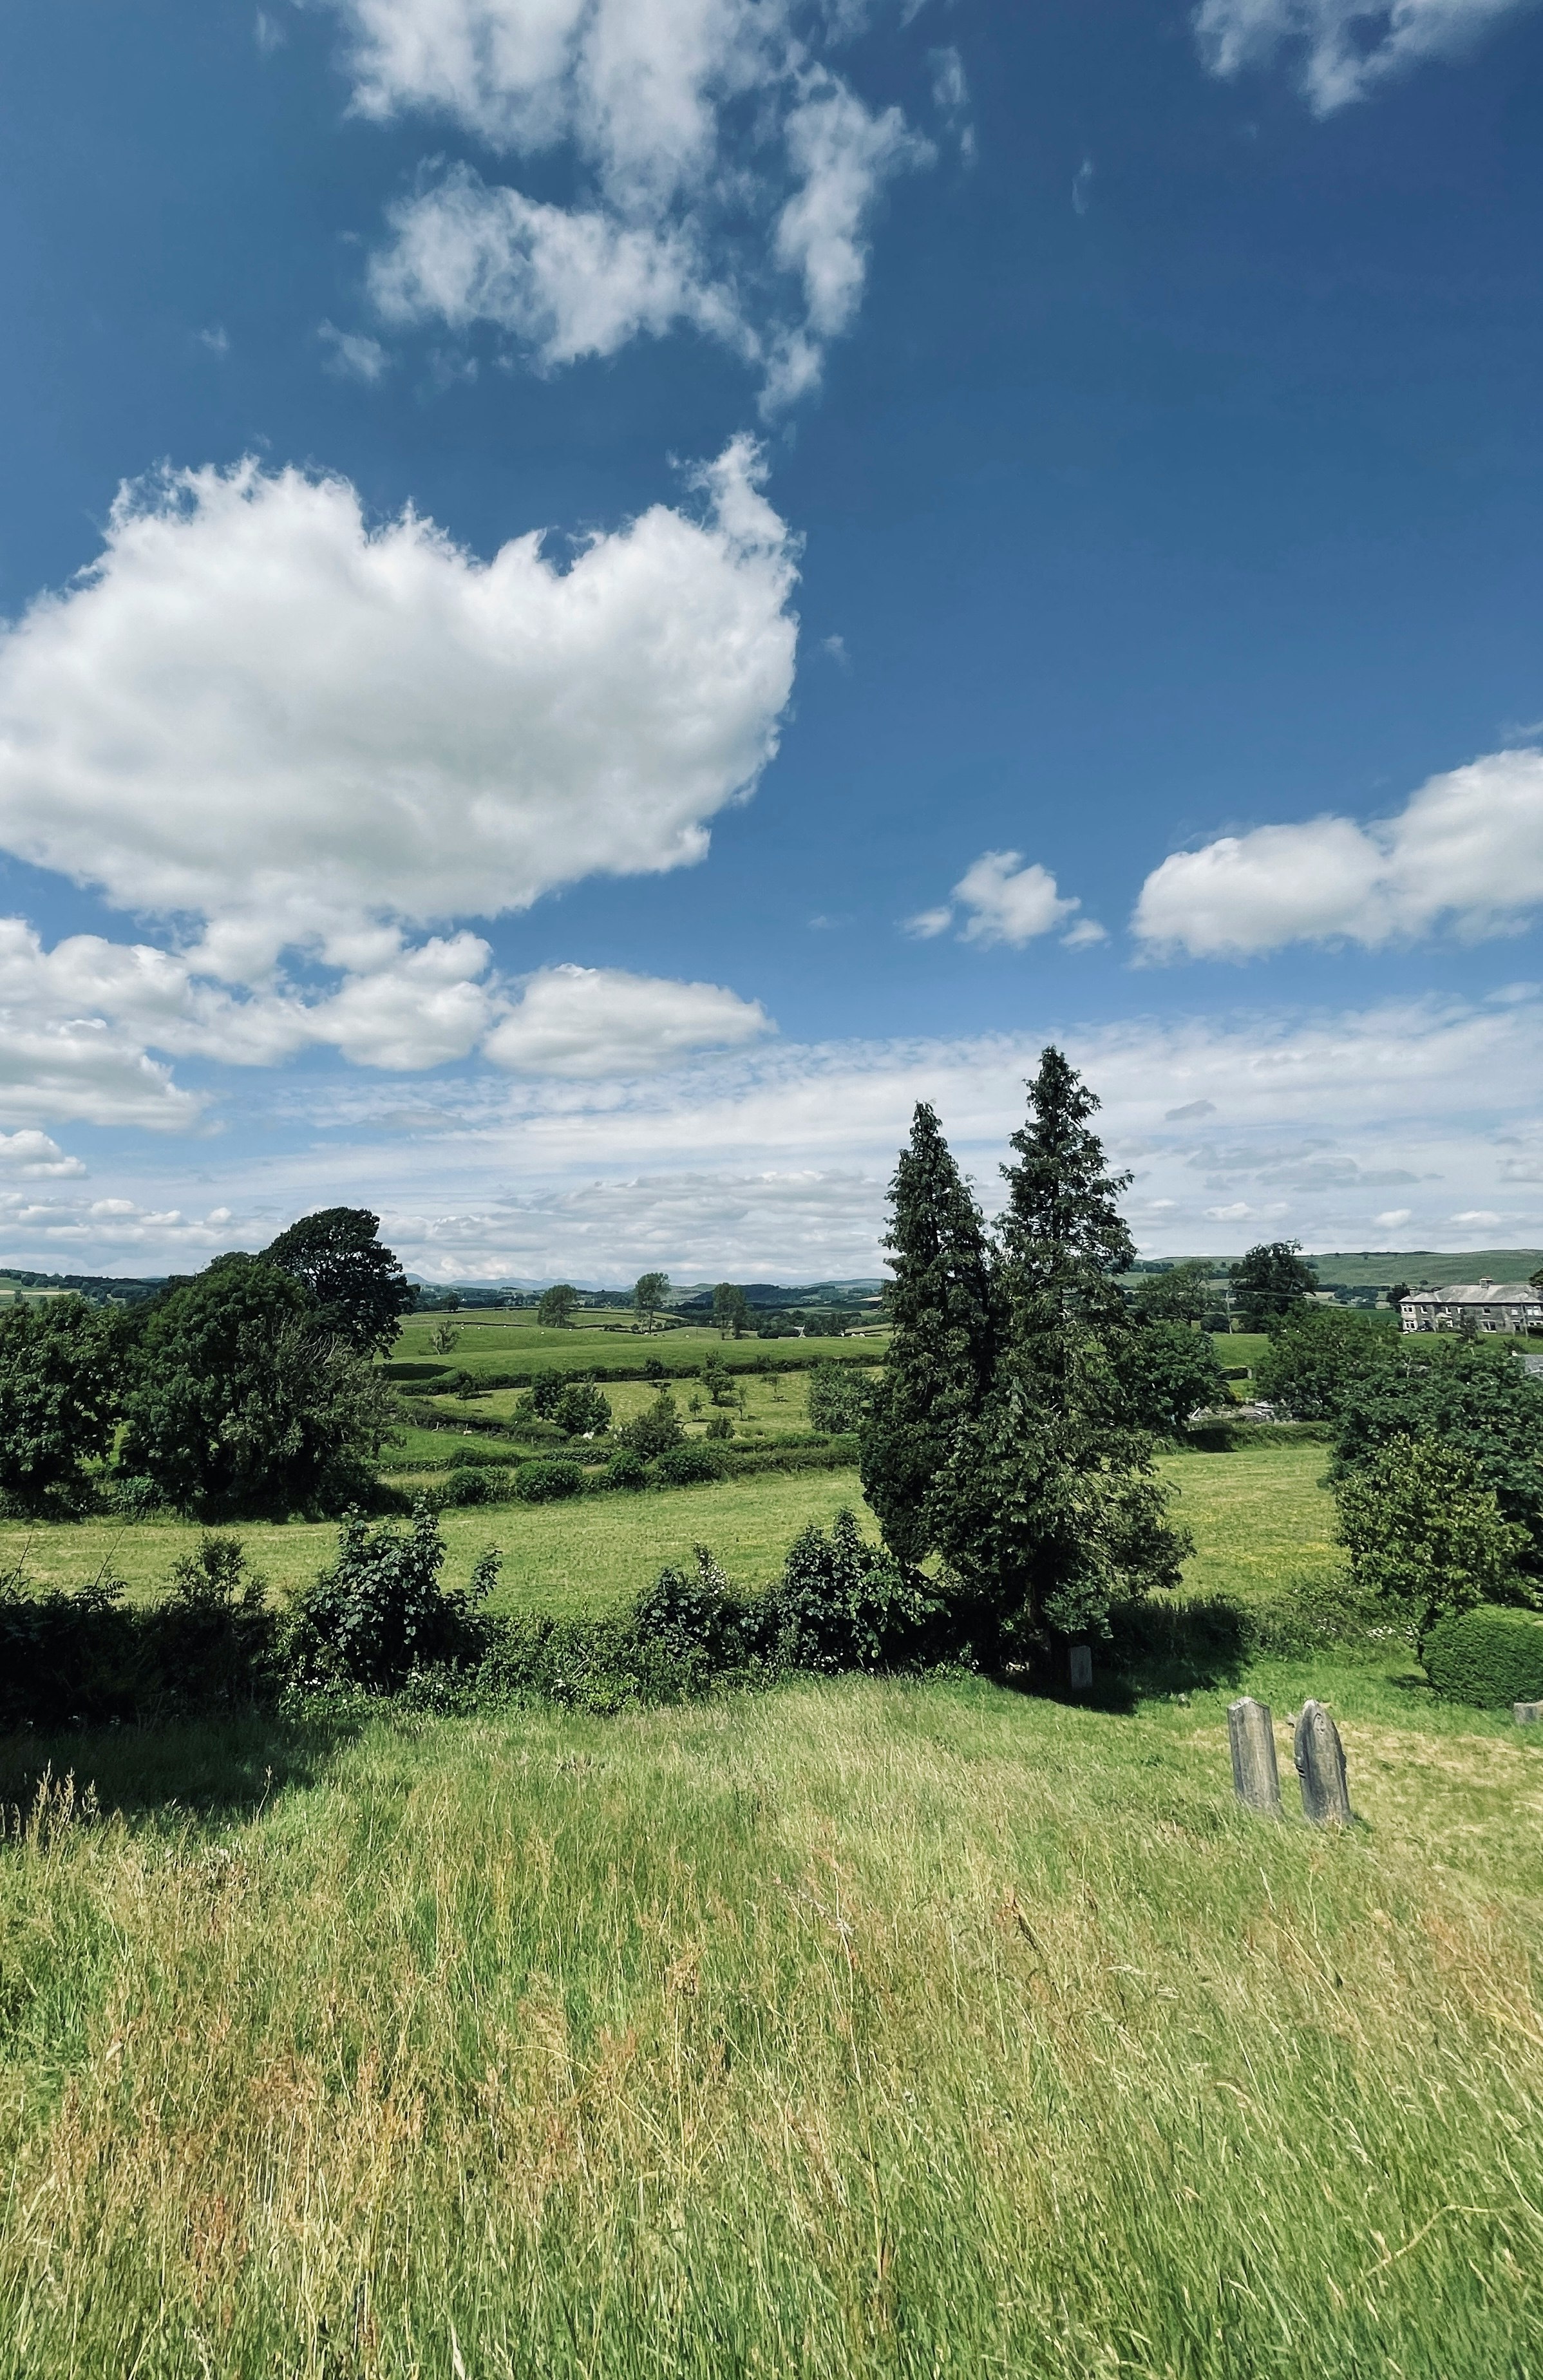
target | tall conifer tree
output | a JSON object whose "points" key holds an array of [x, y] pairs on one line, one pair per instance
{"points": [[942, 1350], [1047, 1507]]}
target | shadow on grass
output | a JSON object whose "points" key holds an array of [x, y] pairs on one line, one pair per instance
{"points": [[1153, 1649], [215, 1769]]}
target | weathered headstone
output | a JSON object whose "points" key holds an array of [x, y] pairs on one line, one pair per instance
{"points": [[1319, 1757], [1527, 1714], [1255, 1775], [1080, 1668]]}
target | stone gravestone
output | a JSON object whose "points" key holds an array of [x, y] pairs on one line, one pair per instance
{"points": [[1080, 1669], [1319, 1757], [1527, 1714], [1255, 1775]]}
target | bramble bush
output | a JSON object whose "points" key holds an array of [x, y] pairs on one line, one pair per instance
{"points": [[381, 1610]]}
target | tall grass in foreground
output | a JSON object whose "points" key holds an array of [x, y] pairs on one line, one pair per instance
{"points": [[857, 2029]]}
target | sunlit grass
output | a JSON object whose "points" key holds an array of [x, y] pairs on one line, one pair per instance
{"points": [[863, 2029]]}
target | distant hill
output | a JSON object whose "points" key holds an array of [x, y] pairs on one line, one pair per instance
{"points": [[1379, 1268]]}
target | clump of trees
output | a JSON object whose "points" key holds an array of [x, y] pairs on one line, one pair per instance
{"points": [[1007, 1434], [246, 1389], [1269, 1282]]}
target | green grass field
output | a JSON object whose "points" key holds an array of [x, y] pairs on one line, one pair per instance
{"points": [[516, 1342], [1260, 1519], [866, 2028], [863, 2029]]}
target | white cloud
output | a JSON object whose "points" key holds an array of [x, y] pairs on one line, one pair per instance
{"points": [[80, 1023], [567, 282], [715, 164], [32, 1157], [258, 711], [1466, 853], [351, 355], [1004, 901], [216, 338], [770, 1163], [1082, 187], [1347, 47], [1393, 1216], [1475, 1215], [599, 1022]]}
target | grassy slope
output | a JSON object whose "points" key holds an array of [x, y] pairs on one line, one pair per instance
{"points": [[863, 2029]]}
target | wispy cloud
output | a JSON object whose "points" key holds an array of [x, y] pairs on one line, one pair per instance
{"points": [[1346, 48], [1000, 899]]}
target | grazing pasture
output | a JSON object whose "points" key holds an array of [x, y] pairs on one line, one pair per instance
{"points": [[488, 1341]]}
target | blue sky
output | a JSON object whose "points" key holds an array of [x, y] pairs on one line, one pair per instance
{"points": [[601, 596]]}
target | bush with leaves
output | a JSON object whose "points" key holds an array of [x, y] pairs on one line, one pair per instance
{"points": [[691, 1465], [1469, 1395], [1425, 1536], [627, 1468], [717, 1380], [581, 1409], [655, 1429], [547, 1482], [63, 1374], [1321, 1356], [1169, 1374], [381, 1610], [839, 1396], [844, 1604], [471, 1484], [719, 1425]]}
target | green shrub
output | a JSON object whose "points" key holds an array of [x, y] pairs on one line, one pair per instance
{"points": [[627, 1468], [582, 1411], [844, 1604], [86, 1657], [1488, 1655], [655, 1430], [545, 1482], [381, 1611], [839, 1399], [689, 1466], [466, 1485], [720, 1425], [1425, 1534]]}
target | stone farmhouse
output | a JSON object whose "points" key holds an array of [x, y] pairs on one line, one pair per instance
{"points": [[1485, 1305]]}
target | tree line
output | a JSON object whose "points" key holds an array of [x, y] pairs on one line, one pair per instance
{"points": [[248, 1389]]}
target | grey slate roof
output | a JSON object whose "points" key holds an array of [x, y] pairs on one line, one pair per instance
{"points": [[1480, 1292]]}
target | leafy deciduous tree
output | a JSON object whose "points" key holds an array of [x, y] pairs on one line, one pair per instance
{"points": [[1268, 1281], [557, 1304], [1468, 1395], [243, 1403], [1425, 1536], [650, 1293], [731, 1310], [62, 1380], [1181, 1295], [1321, 1355], [1169, 1373], [357, 1287]]}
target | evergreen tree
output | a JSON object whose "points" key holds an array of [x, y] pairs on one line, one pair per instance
{"points": [[1047, 1507], [943, 1349]]}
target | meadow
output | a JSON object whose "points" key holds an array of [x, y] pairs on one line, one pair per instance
{"points": [[1261, 1521], [859, 2028], [495, 1341], [864, 2027]]}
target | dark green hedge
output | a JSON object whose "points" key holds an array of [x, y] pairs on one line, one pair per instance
{"points": [[1489, 1656]]}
